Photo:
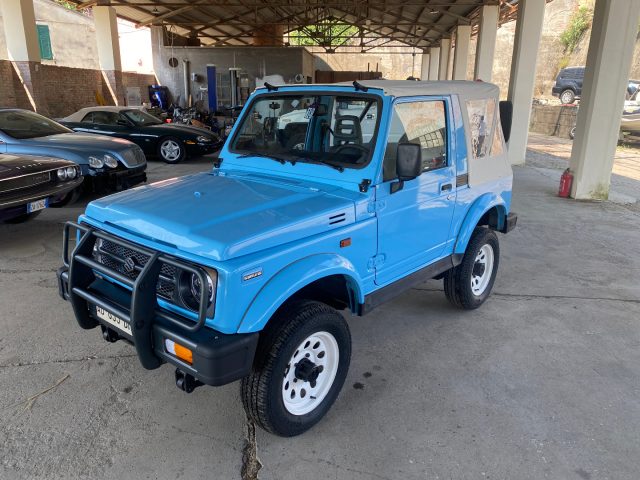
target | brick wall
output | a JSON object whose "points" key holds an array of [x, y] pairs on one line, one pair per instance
{"points": [[66, 89]]}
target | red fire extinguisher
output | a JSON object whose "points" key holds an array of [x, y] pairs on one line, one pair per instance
{"points": [[566, 180]]}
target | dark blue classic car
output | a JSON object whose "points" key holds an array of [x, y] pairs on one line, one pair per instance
{"points": [[171, 142], [106, 163]]}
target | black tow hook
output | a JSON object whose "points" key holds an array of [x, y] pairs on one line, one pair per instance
{"points": [[109, 335], [185, 382], [307, 371]]}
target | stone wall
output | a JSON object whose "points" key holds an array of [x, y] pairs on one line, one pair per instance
{"points": [[66, 90], [556, 120]]}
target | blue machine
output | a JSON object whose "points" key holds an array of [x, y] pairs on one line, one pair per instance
{"points": [[324, 198]]}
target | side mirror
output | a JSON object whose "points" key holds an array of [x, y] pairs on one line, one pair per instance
{"points": [[408, 164]]}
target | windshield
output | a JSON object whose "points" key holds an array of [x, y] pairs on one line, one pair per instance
{"points": [[141, 118], [23, 124], [337, 130]]}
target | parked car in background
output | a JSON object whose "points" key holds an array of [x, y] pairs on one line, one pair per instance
{"points": [[106, 163], [568, 84], [171, 142], [30, 184]]}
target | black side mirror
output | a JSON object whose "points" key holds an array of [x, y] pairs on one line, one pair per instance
{"points": [[408, 164]]}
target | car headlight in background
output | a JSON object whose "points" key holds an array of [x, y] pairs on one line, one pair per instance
{"points": [[68, 173], [203, 139], [110, 162], [95, 162]]}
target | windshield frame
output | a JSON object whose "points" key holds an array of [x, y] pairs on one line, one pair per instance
{"points": [[125, 114], [36, 115], [308, 92]]}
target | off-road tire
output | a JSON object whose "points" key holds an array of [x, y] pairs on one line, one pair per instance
{"points": [[261, 390], [457, 281]]}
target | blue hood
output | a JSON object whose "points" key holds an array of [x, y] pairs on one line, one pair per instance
{"points": [[224, 216]]}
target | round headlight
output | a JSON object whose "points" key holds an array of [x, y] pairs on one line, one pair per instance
{"points": [[110, 162], [71, 173], [190, 288], [62, 174], [203, 139], [95, 162], [196, 288]]}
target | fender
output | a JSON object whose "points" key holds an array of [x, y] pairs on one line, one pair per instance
{"points": [[291, 279], [478, 208]]}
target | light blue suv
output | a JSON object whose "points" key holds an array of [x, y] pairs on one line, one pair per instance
{"points": [[240, 272]]}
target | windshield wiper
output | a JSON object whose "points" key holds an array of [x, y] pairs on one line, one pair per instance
{"points": [[280, 160], [340, 168]]}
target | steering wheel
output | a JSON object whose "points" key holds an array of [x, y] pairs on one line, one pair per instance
{"points": [[355, 146]]}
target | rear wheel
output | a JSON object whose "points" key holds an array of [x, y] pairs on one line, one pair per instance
{"points": [[567, 97], [469, 284], [171, 150], [300, 367]]}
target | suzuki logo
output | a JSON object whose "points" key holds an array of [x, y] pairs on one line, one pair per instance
{"points": [[129, 265]]}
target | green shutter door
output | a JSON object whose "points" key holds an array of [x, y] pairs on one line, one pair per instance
{"points": [[44, 39]]}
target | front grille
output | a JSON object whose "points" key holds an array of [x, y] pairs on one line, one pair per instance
{"points": [[134, 157], [130, 263], [25, 181]]}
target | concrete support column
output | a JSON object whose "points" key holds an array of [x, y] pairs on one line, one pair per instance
{"points": [[109, 51], [424, 70], [434, 62], [19, 22], [486, 47], [523, 74], [445, 49], [613, 34], [461, 52]]}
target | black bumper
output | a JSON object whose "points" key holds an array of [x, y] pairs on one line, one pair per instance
{"points": [[119, 179], [218, 358], [509, 223], [198, 149]]}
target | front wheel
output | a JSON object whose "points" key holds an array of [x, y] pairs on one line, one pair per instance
{"points": [[300, 367], [469, 284], [172, 150]]}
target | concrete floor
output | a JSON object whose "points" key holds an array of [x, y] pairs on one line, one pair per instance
{"points": [[541, 382]]}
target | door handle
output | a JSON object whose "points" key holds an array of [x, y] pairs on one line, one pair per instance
{"points": [[446, 187]]}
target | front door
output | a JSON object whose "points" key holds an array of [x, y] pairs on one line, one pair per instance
{"points": [[414, 222]]}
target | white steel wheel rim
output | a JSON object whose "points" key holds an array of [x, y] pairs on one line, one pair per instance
{"points": [[170, 150], [482, 270], [299, 396], [566, 97]]}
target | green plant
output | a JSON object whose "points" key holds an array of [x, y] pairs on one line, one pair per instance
{"points": [[579, 24], [564, 62]]}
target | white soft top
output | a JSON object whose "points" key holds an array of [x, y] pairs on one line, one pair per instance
{"points": [[410, 88], [80, 114]]}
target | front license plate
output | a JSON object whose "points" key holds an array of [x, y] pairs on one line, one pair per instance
{"points": [[37, 205], [113, 320]]}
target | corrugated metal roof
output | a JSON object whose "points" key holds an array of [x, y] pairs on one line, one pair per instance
{"points": [[416, 23]]}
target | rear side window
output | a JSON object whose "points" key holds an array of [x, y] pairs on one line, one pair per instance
{"points": [[105, 118], [88, 118], [481, 116], [422, 123]]}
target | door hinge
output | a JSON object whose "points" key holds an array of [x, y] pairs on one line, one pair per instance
{"points": [[374, 207], [364, 185], [376, 261]]}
